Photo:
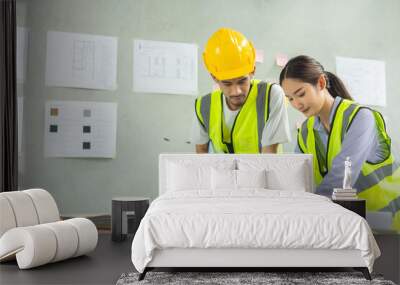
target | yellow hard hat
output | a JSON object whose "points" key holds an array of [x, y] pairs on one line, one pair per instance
{"points": [[228, 54]]}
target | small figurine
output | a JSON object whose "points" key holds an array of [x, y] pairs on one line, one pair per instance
{"points": [[347, 174]]}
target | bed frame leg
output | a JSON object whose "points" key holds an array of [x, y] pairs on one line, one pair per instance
{"points": [[364, 271], [143, 274]]}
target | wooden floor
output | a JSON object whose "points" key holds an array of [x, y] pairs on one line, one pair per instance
{"points": [[102, 266]]}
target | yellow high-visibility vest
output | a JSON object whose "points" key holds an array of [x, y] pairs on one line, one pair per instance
{"points": [[378, 183], [246, 133]]}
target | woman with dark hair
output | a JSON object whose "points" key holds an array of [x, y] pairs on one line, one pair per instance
{"points": [[337, 128]]}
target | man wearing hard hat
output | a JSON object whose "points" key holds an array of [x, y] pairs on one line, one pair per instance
{"points": [[245, 115]]}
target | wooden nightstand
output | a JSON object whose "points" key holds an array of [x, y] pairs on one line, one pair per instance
{"points": [[356, 205]]}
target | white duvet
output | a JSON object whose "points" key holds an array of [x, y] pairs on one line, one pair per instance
{"points": [[251, 218]]}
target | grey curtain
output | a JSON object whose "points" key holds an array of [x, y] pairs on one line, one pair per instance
{"points": [[8, 98]]}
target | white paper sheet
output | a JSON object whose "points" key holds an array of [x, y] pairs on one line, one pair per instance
{"points": [[164, 67], [364, 78], [22, 49], [80, 129], [81, 60], [20, 110]]}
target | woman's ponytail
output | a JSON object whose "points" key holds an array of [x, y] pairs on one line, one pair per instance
{"points": [[336, 86]]}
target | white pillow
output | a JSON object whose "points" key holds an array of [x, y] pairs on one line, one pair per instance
{"points": [[282, 173], [189, 174], [279, 180], [251, 178], [223, 179], [187, 177]]}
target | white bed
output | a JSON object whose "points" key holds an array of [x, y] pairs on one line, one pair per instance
{"points": [[201, 219]]}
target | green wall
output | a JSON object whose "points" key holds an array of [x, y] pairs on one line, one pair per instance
{"points": [[322, 29]]}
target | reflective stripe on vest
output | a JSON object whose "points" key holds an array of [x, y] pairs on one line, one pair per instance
{"points": [[378, 183], [246, 133]]}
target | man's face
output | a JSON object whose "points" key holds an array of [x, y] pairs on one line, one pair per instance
{"points": [[235, 90]]}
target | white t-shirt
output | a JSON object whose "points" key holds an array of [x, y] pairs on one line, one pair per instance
{"points": [[276, 129]]}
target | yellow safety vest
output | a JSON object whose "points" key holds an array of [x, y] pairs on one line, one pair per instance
{"points": [[378, 183], [246, 133]]}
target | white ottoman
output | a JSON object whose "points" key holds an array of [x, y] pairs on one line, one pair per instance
{"points": [[31, 232]]}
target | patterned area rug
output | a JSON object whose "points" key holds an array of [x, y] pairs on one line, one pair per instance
{"points": [[225, 278]]}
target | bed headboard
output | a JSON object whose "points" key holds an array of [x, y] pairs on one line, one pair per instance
{"points": [[284, 162]]}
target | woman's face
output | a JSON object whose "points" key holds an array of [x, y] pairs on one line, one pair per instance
{"points": [[305, 97]]}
